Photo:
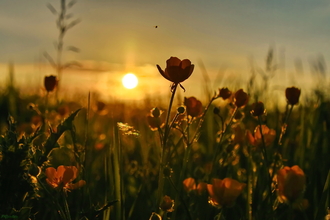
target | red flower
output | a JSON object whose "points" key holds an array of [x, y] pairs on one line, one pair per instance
{"points": [[50, 83], [194, 107], [258, 109], [176, 70], [167, 204]]}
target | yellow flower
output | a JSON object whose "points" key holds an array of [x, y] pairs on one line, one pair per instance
{"points": [[176, 70], [62, 177], [291, 183], [224, 192]]}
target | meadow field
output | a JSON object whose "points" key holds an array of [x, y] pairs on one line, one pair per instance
{"points": [[229, 158], [242, 151]]}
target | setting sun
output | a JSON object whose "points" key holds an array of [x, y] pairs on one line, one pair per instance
{"points": [[130, 81]]}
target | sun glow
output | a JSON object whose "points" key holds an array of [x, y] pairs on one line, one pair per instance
{"points": [[130, 81]]}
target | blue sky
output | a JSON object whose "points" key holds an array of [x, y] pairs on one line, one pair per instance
{"points": [[120, 35]]}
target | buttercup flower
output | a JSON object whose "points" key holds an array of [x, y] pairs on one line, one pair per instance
{"points": [[291, 183], [241, 98], [256, 140], [194, 107], [155, 119], [62, 177], [50, 83], [167, 204], [189, 184], [224, 93], [176, 70], [224, 192], [258, 109], [292, 95]]}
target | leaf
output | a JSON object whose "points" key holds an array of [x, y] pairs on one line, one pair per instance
{"points": [[52, 9], [73, 23], [72, 3], [73, 48], [51, 142]]}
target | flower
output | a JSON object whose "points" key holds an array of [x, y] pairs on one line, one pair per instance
{"points": [[258, 109], [291, 183], [256, 140], [224, 192], [155, 119], [224, 93], [50, 83], [292, 95], [62, 177], [176, 70], [167, 204], [241, 98], [189, 184], [194, 107]]}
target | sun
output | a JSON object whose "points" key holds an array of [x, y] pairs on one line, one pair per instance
{"points": [[130, 81]]}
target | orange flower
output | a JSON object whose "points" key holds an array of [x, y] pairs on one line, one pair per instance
{"points": [[292, 95], [194, 107], [256, 140], [189, 184], [290, 183], [224, 192], [241, 98], [176, 70], [224, 93], [155, 119], [62, 177], [50, 83]]}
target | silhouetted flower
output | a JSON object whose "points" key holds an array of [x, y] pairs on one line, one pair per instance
{"points": [[194, 107], [176, 70], [292, 95], [224, 93], [291, 183], [50, 83], [62, 177], [256, 139], [167, 204], [155, 119], [224, 192], [241, 98], [258, 109]]}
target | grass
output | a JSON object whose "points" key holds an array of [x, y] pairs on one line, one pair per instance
{"points": [[119, 157]]}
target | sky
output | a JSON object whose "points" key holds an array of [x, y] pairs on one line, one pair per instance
{"points": [[116, 37]]}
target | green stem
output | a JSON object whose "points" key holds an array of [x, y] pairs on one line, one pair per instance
{"points": [[163, 149]]}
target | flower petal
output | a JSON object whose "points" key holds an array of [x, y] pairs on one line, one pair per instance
{"points": [[185, 63], [77, 185], [173, 61], [50, 173], [67, 175]]}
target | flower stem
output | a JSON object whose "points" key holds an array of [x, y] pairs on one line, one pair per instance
{"points": [[163, 148]]}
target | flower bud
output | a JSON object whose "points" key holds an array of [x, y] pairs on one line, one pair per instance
{"points": [[50, 83], [224, 93], [216, 110], [167, 204], [181, 110], [292, 95], [241, 98], [155, 112], [258, 109]]}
